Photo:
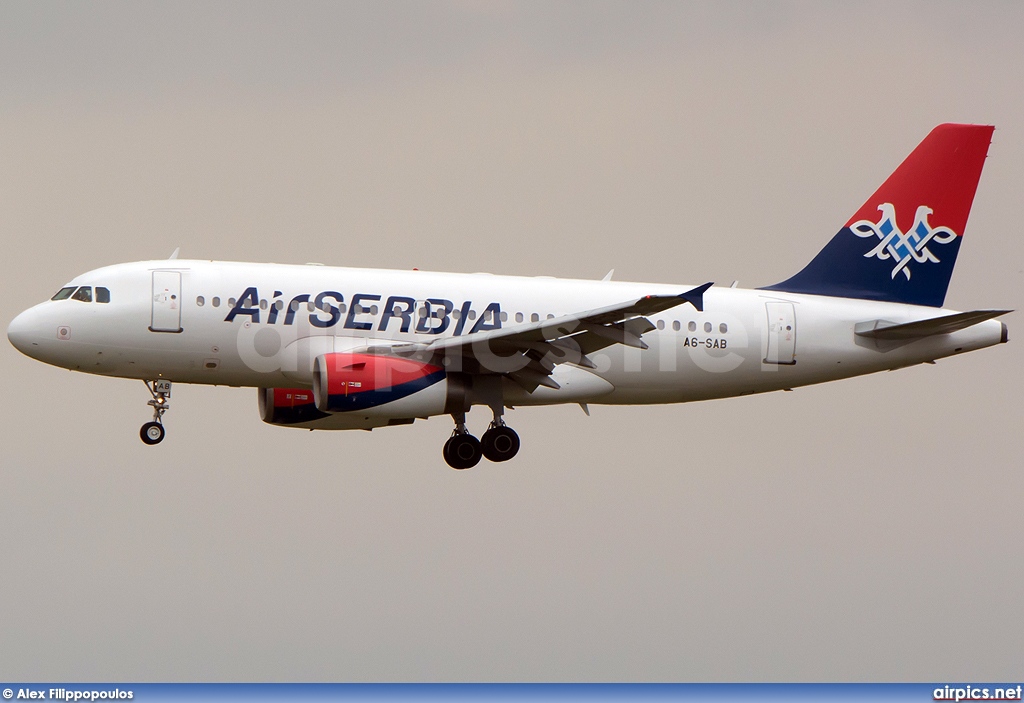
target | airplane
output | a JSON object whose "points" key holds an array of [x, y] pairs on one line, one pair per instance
{"points": [[334, 348]]}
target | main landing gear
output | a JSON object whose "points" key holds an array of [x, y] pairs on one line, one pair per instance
{"points": [[463, 451], [153, 432]]}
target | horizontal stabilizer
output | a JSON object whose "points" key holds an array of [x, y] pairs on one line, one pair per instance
{"points": [[882, 329]]}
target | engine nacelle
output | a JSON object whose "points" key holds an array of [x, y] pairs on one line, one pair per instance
{"points": [[294, 407], [373, 386], [288, 406]]}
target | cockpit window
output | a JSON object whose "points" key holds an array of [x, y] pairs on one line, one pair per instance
{"points": [[84, 294], [64, 293], [102, 294]]}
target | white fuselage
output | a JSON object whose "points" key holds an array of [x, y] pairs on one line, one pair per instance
{"points": [[169, 320]]}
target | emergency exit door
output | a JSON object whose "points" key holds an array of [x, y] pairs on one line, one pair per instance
{"points": [[781, 334], [166, 302]]}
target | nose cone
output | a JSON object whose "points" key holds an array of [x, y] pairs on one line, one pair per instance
{"points": [[23, 334]]}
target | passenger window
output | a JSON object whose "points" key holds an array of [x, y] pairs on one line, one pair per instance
{"points": [[63, 293], [692, 326], [519, 317], [676, 325], [84, 294], [723, 328], [200, 300], [661, 324], [102, 294], [216, 301], [707, 326], [534, 317], [504, 316]]}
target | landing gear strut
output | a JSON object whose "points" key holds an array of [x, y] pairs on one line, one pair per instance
{"points": [[153, 432], [463, 450]]}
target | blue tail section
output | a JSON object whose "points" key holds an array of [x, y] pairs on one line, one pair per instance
{"points": [[902, 244], [843, 269]]}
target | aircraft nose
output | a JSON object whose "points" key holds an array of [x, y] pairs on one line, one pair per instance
{"points": [[22, 333]]}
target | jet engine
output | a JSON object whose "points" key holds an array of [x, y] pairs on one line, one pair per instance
{"points": [[364, 391]]}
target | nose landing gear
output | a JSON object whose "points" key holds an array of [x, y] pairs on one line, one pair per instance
{"points": [[153, 432]]}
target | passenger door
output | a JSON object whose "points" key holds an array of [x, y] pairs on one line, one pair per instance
{"points": [[166, 302], [781, 334]]}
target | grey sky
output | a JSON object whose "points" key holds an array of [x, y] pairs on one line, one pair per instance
{"points": [[867, 529]]}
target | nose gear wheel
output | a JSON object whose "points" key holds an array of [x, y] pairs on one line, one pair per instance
{"points": [[152, 433]]}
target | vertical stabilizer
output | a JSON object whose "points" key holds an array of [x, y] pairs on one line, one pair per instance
{"points": [[901, 245]]}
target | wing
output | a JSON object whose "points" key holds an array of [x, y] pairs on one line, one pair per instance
{"points": [[529, 352]]}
